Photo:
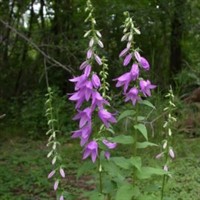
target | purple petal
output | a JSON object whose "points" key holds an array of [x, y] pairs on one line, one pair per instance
{"points": [[56, 185], [107, 155], [51, 173], [98, 59], [96, 81], [127, 59], [137, 56], [110, 145], [124, 52], [89, 53], [61, 197], [83, 65]]}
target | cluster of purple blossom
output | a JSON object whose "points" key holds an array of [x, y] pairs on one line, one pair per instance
{"points": [[86, 90], [124, 80]]}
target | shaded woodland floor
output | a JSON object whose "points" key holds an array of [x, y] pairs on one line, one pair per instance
{"points": [[24, 169]]}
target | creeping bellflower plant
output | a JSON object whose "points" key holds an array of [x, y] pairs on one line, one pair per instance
{"points": [[134, 86], [87, 93]]}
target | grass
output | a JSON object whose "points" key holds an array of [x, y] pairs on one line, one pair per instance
{"points": [[24, 169]]}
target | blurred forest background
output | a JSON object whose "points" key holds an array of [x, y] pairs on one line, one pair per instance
{"points": [[38, 36], [47, 34]]}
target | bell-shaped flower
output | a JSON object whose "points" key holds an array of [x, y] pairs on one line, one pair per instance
{"points": [[145, 87], [87, 90], [110, 145], [132, 95], [96, 81], [84, 116], [142, 61], [91, 149], [98, 100], [89, 53], [127, 59], [124, 80], [124, 52], [134, 72], [84, 134], [98, 59], [106, 117]]}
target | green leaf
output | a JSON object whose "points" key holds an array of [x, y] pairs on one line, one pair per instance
{"points": [[123, 139], [143, 145], [142, 129], [136, 162], [147, 103], [121, 162], [127, 192], [147, 172], [114, 171], [125, 114], [141, 118]]}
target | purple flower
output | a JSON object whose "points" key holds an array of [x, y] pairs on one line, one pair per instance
{"points": [[51, 174], [142, 61], [110, 145], [98, 59], [83, 65], [98, 100], [125, 80], [146, 86], [132, 95], [127, 59], [134, 72], [84, 134], [56, 185], [78, 96], [91, 149], [106, 117], [87, 70], [87, 90], [124, 52], [107, 155], [96, 81], [89, 53], [84, 116]]}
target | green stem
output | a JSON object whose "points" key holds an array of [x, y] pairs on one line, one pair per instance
{"points": [[100, 176], [163, 187], [135, 143]]}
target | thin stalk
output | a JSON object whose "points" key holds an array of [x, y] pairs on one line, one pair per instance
{"points": [[135, 142], [163, 187], [100, 176]]}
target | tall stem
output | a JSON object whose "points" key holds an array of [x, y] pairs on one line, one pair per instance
{"points": [[135, 141], [100, 176], [163, 187]]}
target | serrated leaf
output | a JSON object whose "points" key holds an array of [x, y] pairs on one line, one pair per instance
{"points": [[147, 103], [121, 162], [136, 162], [142, 128], [123, 139], [127, 192], [143, 145], [125, 114]]}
